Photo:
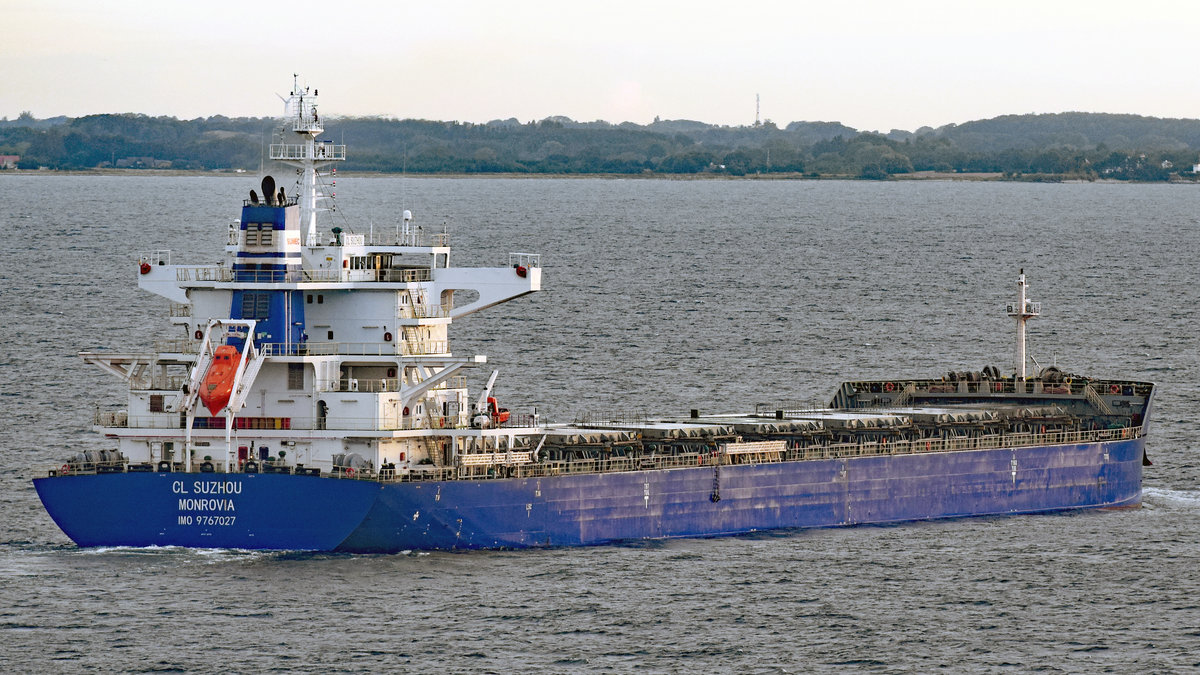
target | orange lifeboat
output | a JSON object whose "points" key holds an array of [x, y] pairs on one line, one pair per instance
{"points": [[218, 381], [499, 415]]}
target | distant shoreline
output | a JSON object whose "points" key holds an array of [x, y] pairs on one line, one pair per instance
{"points": [[899, 177]]}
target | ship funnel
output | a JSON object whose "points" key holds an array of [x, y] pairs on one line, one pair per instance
{"points": [[268, 189]]}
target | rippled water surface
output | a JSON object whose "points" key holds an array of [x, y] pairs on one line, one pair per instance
{"points": [[660, 296]]}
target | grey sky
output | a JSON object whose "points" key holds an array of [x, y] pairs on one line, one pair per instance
{"points": [[871, 65]]}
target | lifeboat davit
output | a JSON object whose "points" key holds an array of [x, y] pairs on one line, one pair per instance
{"points": [[218, 381]]}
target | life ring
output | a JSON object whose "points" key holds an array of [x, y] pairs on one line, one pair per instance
{"points": [[391, 372], [387, 337], [66, 468], [999, 386], [350, 471], [889, 387], [405, 411], [522, 271], [1114, 388], [144, 267], [198, 334]]}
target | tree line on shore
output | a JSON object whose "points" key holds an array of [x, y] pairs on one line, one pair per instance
{"points": [[1051, 146]]}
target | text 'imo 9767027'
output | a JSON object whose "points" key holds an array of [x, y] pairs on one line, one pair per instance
{"points": [[313, 403]]}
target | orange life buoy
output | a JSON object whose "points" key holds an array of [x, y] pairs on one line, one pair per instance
{"points": [[387, 337], [889, 387], [391, 372], [999, 386], [406, 410], [198, 334], [350, 471], [1114, 389], [522, 271], [144, 267], [66, 468]]}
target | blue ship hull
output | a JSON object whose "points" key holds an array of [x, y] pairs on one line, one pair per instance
{"points": [[274, 511]]}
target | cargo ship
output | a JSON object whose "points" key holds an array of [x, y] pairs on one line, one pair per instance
{"points": [[309, 400]]}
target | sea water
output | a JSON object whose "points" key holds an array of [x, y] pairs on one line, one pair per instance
{"points": [[660, 296]]}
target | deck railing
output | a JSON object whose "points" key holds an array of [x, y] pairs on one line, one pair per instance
{"points": [[397, 348], [220, 274], [121, 419], [474, 471], [1068, 387]]}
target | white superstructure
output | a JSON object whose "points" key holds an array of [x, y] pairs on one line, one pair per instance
{"points": [[344, 339]]}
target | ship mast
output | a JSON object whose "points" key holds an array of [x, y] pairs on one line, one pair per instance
{"points": [[300, 112], [1023, 310]]}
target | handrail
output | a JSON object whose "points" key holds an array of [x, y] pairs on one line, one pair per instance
{"points": [[166, 420], [1089, 392], [177, 346], [121, 419], [525, 259], [497, 465], [411, 311], [223, 275], [299, 151], [1076, 387], [419, 239], [398, 348]]}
